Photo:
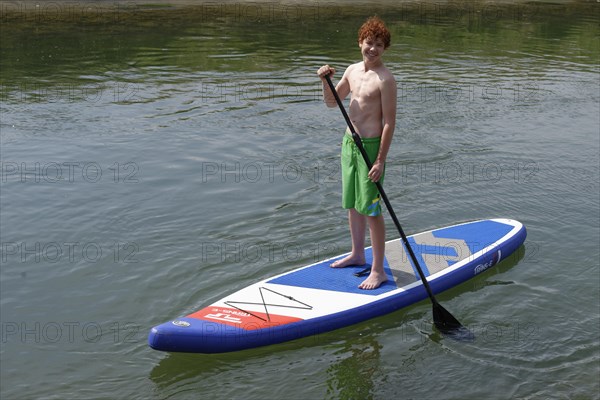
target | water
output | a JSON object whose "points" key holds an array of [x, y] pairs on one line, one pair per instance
{"points": [[157, 157]]}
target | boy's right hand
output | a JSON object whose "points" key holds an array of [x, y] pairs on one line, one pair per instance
{"points": [[324, 71]]}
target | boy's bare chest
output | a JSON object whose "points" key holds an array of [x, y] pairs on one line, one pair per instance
{"points": [[364, 85]]}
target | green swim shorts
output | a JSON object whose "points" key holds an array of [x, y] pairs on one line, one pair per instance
{"points": [[358, 191]]}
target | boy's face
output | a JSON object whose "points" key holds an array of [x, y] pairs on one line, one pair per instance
{"points": [[372, 48]]}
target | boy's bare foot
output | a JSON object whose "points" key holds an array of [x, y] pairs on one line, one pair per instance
{"points": [[348, 261], [374, 280]]}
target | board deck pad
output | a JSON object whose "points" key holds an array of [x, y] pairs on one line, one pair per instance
{"points": [[318, 298], [322, 276], [434, 251]]}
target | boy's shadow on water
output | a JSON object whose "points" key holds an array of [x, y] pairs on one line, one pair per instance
{"points": [[353, 353]]}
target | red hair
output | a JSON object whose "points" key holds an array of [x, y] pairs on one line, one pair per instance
{"points": [[374, 28]]}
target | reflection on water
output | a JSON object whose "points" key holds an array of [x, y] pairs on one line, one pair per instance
{"points": [[115, 48], [357, 373]]}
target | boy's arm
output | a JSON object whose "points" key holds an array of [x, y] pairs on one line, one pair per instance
{"points": [[342, 88], [388, 111]]}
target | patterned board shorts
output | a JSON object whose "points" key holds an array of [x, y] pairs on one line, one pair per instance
{"points": [[358, 191]]}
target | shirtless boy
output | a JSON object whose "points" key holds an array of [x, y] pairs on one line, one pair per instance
{"points": [[373, 115]]}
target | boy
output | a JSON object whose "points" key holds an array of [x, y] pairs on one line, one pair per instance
{"points": [[373, 114]]}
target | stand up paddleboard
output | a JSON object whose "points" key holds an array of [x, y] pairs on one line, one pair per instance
{"points": [[317, 298]]}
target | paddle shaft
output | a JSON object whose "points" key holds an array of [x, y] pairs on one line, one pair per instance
{"points": [[361, 148]]}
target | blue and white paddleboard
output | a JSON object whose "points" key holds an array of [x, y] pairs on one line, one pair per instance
{"points": [[317, 298]]}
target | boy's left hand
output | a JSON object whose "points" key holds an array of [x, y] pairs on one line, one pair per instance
{"points": [[376, 171]]}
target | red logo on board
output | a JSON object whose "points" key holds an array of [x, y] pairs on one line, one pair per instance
{"points": [[241, 319]]}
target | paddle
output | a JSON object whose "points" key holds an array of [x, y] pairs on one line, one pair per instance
{"points": [[443, 320]]}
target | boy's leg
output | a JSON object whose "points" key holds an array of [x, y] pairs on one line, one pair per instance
{"points": [[358, 226], [377, 275]]}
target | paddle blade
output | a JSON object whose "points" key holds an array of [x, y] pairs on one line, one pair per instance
{"points": [[449, 326]]}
